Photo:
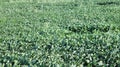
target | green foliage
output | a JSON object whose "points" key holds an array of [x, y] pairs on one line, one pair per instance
{"points": [[61, 34]]}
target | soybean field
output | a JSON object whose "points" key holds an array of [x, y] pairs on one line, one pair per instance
{"points": [[59, 33]]}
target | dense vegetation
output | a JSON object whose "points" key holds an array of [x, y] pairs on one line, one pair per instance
{"points": [[80, 33]]}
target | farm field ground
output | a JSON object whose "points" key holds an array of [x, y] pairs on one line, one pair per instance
{"points": [[59, 33]]}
